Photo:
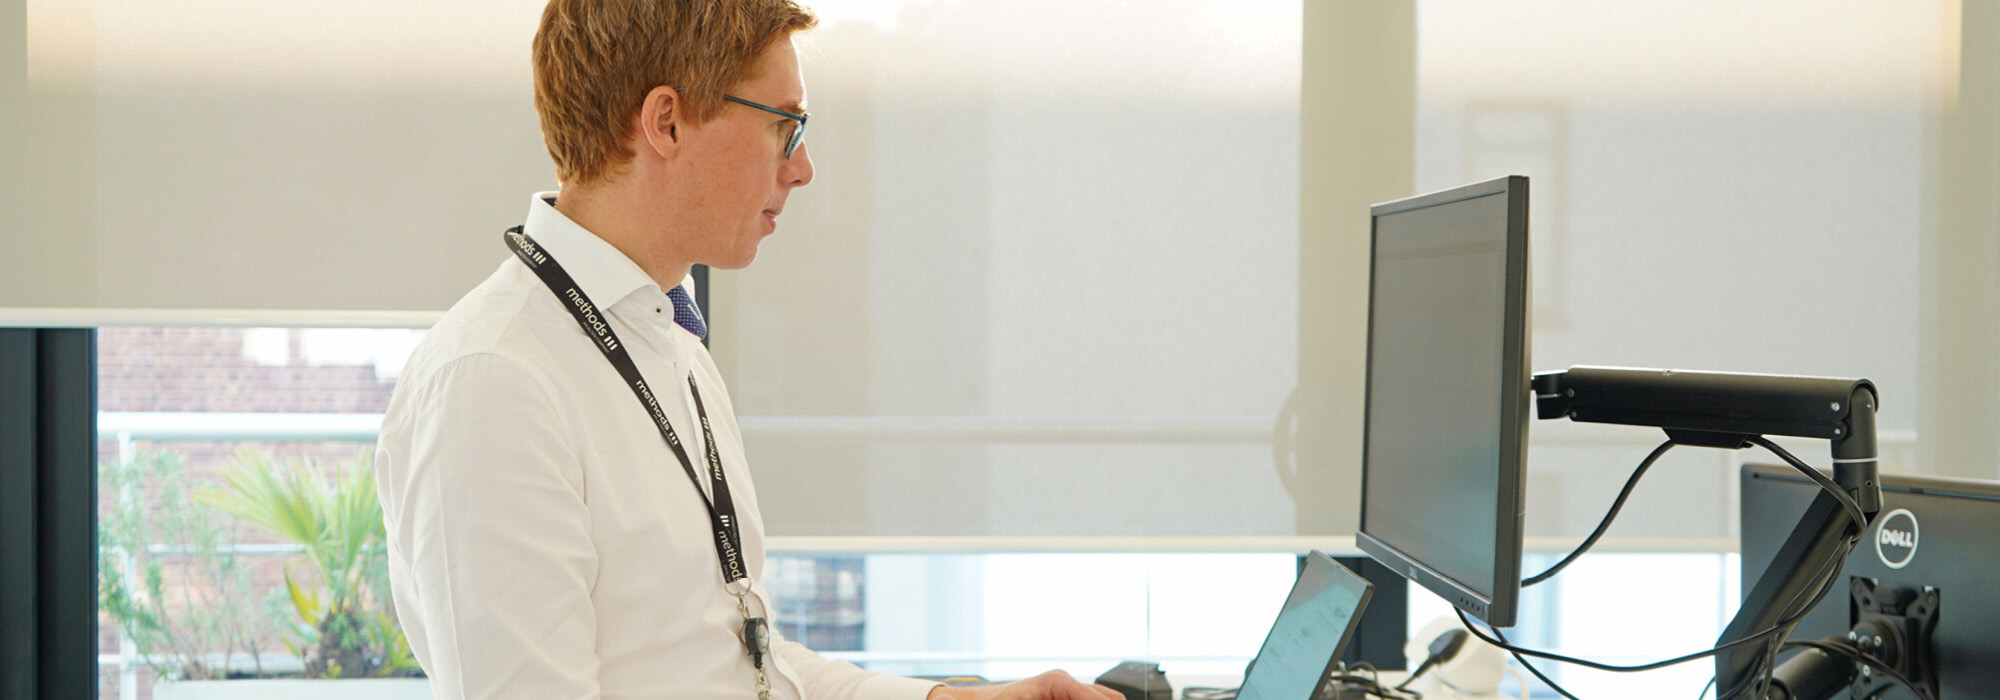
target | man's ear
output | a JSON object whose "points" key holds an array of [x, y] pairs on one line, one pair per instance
{"points": [[662, 119]]}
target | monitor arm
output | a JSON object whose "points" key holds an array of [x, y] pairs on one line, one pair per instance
{"points": [[1725, 410]]}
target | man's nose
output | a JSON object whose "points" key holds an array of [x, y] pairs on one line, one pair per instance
{"points": [[798, 170]]}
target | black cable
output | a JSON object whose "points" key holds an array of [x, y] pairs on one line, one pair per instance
{"points": [[1748, 682], [1855, 653], [1704, 688], [1759, 636], [1826, 577], [1605, 524], [1767, 661], [1586, 663], [1524, 663], [1768, 658], [1757, 682], [1854, 511], [1345, 678], [1443, 648]]}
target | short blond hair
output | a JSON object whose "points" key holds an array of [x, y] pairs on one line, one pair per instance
{"points": [[595, 60]]}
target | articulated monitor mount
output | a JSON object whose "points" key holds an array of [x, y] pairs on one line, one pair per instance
{"points": [[1728, 410]]}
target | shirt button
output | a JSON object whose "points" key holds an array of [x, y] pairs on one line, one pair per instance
{"points": [[657, 311]]}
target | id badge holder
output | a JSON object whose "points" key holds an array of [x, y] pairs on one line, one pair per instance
{"points": [[757, 640], [756, 628]]}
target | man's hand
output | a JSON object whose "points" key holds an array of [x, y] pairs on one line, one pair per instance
{"points": [[1053, 685]]}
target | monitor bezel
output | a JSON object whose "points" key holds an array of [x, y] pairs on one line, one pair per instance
{"points": [[1500, 607]]}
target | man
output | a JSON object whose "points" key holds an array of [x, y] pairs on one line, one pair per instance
{"points": [[569, 510]]}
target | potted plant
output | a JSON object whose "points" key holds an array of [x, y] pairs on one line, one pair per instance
{"points": [[167, 579], [344, 631]]}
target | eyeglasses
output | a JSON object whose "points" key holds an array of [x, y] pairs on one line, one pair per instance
{"points": [[798, 132]]}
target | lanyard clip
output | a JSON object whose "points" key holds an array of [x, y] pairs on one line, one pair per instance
{"points": [[757, 639], [737, 588]]}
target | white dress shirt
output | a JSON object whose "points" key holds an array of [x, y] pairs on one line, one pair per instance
{"points": [[544, 542]]}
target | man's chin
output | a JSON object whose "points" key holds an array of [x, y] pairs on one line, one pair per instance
{"points": [[734, 263]]}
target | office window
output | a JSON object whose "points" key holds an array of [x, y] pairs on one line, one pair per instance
{"points": [[181, 406], [1013, 615]]}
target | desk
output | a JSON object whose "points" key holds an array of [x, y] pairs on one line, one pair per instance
{"points": [[1431, 689]]}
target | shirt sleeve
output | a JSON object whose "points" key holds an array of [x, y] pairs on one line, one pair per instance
{"points": [[831, 679], [496, 535]]}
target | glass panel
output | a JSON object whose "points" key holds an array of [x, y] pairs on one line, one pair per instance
{"points": [[1013, 615], [192, 586]]}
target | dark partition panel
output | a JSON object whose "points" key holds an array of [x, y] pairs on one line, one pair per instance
{"points": [[48, 515]]}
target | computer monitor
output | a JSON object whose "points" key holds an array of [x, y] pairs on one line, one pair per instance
{"points": [[1448, 392], [1932, 532]]}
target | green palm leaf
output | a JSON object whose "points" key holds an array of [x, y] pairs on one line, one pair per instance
{"points": [[338, 521], [284, 502]]}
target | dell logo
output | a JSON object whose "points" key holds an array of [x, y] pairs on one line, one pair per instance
{"points": [[1896, 539]]}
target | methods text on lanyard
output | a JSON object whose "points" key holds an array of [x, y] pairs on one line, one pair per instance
{"points": [[721, 508]]}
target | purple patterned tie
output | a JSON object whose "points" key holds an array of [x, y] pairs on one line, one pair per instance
{"points": [[686, 313]]}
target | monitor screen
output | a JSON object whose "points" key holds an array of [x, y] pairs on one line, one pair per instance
{"points": [[1304, 642], [1448, 392], [1932, 533]]}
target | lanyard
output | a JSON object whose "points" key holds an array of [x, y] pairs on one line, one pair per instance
{"points": [[721, 509]]}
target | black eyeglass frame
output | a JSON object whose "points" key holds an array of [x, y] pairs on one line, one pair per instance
{"points": [[798, 132]]}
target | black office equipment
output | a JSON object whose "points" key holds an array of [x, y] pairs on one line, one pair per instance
{"points": [[1447, 393], [1446, 433], [1733, 411], [1925, 579], [1137, 680]]}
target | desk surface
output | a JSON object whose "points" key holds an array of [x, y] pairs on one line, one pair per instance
{"points": [[1431, 690]]}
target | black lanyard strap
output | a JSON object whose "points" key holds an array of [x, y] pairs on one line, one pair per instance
{"points": [[721, 508]]}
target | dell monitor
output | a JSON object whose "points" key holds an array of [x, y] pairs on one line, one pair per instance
{"points": [[1923, 577], [1445, 437]]}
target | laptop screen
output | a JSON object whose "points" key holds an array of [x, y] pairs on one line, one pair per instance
{"points": [[1318, 617]]}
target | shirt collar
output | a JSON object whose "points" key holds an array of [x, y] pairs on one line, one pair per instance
{"points": [[605, 274]]}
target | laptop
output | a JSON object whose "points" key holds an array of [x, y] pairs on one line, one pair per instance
{"points": [[1305, 642]]}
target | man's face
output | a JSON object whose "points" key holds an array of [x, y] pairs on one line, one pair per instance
{"points": [[738, 174]]}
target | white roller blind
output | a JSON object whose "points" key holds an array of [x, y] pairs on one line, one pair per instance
{"points": [[1059, 274], [1045, 282], [1046, 257], [1716, 185], [237, 154]]}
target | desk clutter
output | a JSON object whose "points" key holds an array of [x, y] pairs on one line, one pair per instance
{"points": [[1447, 664]]}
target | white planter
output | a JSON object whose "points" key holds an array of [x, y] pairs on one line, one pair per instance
{"points": [[296, 689]]}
